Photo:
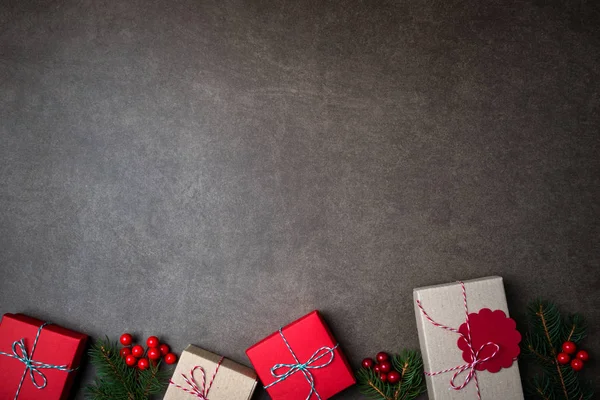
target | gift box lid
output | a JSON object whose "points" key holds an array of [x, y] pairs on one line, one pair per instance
{"points": [[232, 381], [445, 304], [305, 336], [56, 346], [444, 301], [213, 360]]}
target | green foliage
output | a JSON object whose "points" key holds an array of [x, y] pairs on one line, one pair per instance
{"points": [[548, 330], [574, 328], [116, 381], [412, 383]]}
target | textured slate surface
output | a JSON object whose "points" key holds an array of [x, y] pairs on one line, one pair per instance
{"points": [[210, 170]]}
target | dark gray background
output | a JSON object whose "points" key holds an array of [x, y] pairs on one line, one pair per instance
{"points": [[207, 171]]}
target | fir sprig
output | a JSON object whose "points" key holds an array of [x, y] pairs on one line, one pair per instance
{"points": [[548, 330], [116, 381], [412, 383]]}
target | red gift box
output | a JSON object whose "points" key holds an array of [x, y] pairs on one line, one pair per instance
{"points": [[53, 358], [301, 361]]}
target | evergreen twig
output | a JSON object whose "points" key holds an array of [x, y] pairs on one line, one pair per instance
{"points": [[412, 383], [116, 381], [547, 331]]}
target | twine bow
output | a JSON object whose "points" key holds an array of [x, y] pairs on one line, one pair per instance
{"points": [[475, 354], [19, 352], [198, 390], [305, 367]]}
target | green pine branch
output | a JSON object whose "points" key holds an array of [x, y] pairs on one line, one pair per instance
{"points": [[412, 383], [548, 330], [116, 381]]}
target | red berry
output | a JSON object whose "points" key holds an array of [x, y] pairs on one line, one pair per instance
{"points": [[383, 377], [125, 351], [377, 368], [137, 351], [583, 355], [130, 360], [577, 364], [385, 366], [170, 358], [152, 341], [393, 377], [569, 347], [368, 363], [381, 356], [164, 349], [143, 363], [153, 353], [563, 358], [126, 339]]}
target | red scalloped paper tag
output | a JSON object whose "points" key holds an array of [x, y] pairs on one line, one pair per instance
{"points": [[491, 326]]}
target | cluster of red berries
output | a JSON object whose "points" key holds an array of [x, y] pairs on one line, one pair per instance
{"points": [[137, 355], [569, 348], [383, 367]]}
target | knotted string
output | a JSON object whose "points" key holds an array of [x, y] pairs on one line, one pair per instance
{"points": [[31, 365], [303, 367], [200, 391], [474, 353]]}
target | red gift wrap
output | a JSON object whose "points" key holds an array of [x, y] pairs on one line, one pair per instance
{"points": [[301, 361], [53, 361]]}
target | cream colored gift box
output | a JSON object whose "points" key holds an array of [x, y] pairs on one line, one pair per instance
{"points": [[232, 381], [444, 304]]}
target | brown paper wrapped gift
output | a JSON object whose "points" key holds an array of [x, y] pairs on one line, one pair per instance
{"points": [[489, 361], [232, 381]]}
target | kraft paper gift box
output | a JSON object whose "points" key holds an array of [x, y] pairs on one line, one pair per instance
{"points": [[202, 374], [301, 361], [460, 358], [52, 352]]}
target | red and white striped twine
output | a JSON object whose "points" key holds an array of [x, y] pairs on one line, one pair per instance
{"points": [[474, 354], [200, 391]]}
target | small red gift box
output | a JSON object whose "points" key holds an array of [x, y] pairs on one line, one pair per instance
{"points": [[53, 353], [301, 361]]}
